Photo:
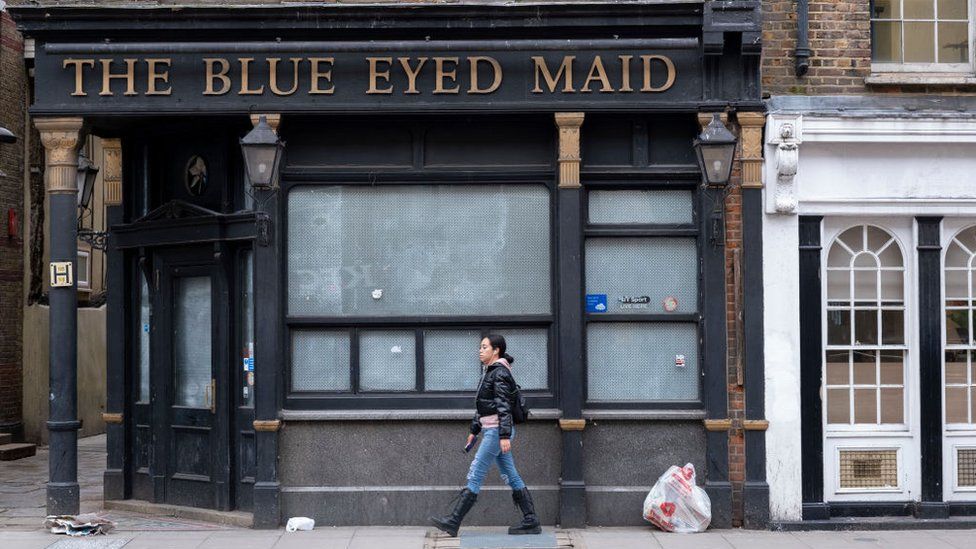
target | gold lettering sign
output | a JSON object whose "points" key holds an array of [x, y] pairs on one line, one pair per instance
{"points": [[384, 75]]}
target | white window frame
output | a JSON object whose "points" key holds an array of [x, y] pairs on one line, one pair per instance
{"points": [[954, 68], [83, 276]]}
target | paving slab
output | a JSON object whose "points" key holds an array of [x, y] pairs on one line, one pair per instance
{"points": [[488, 540]]}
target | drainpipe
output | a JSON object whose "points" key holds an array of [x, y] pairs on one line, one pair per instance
{"points": [[802, 51]]}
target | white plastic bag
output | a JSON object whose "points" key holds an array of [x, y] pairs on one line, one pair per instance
{"points": [[299, 523], [677, 504]]}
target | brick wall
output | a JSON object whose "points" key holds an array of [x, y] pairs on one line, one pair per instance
{"points": [[12, 86], [733, 293], [840, 51]]}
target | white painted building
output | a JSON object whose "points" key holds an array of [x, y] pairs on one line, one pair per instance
{"points": [[869, 242]]}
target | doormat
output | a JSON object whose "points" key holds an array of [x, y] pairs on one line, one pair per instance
{"points": [[494, 539], [142, 523]]}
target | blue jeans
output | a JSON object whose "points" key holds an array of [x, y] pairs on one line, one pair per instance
{"points": [[489, 451]]}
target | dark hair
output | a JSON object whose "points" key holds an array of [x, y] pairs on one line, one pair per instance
{"points": [[498, 342]]}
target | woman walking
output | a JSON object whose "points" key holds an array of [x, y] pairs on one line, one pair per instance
{"points": [[493, 418]]}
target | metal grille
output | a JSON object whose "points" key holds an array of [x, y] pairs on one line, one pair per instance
{"points": [[640, 207], [319, 361], [387, 360], [629, 361], [868, 468], [658, 268], [419, 250], [966, 466]]}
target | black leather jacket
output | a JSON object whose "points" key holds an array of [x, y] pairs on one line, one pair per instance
{"points": [[495, 397]]}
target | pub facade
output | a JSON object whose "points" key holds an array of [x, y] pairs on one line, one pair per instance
{"points": [[296, 334]]}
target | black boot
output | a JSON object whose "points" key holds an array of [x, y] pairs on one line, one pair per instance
{"points": [[449, 524], [530, 522]]}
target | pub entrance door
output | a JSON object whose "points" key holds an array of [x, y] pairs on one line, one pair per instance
{"points": [[182, 437]]}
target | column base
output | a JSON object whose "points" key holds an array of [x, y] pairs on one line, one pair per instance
{"points": [[931, 510], [113, 484], [720, 494], [572, 504], [63, 498], [816, 511], [267, 505], [755, 505]]}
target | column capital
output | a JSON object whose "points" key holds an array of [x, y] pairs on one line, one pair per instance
{"points": [[569, 148], [750, 134], [60, 137], [112, 171], [274, 120]]}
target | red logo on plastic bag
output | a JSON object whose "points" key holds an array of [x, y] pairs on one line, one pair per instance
{"points": [[688, 472], [668, 508]]}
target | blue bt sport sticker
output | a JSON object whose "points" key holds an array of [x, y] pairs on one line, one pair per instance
{"points": [[596, 303]]}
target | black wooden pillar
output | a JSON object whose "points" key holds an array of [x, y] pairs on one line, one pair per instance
{"points": [[267, 355], [572, 377], [715, 361], [811, 348], [117, 454], [60, 137], [756, 490], [930, 365]]}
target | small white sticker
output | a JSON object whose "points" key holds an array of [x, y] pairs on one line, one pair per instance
{"points": [[679, 361], [377, 293], [396, 349]]}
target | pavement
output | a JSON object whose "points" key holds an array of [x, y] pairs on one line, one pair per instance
{"points": [[22, 501]]}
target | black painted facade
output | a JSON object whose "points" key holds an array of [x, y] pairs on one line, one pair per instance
{"points": [[294, 450]]}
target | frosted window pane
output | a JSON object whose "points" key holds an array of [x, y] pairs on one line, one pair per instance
{"points": [[531, 353], [192, 341], [387, 361], [451, 360], [637, 361], [652, 268], [640, 207], [319, 361], [144, 341], [430, 250]]}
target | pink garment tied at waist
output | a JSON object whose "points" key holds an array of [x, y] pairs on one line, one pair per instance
{"points": [[489, 422]]}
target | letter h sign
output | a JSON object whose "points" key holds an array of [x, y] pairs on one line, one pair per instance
{"points": [[61, 274]]}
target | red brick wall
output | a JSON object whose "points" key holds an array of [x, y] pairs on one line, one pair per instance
{"points": [[12, 85], [840, 51], [736, 405]]}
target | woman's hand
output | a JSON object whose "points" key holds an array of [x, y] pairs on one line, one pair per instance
{"points": [[506, 445], [469, 441]]}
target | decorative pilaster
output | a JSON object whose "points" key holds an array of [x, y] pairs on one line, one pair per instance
{"points": [[267, 352], [61, 137], [569, 148]]}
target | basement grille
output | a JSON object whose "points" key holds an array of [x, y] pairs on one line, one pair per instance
{"points": [[869, 469], [966, 466]]}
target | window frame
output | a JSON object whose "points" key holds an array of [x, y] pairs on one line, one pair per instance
{"points": [[354, 399], [905, 348], [694, 230], [929, 67], [969, 347]]}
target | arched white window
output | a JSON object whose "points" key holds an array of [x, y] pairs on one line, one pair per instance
{"points": [[864, 370], [960, 263]]}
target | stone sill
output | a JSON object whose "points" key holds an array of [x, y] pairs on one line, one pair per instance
{"points": [[920, 79], [544, 414], [399, 415]]}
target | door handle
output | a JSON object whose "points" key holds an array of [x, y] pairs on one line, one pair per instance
{"points": [[211, 395]]}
